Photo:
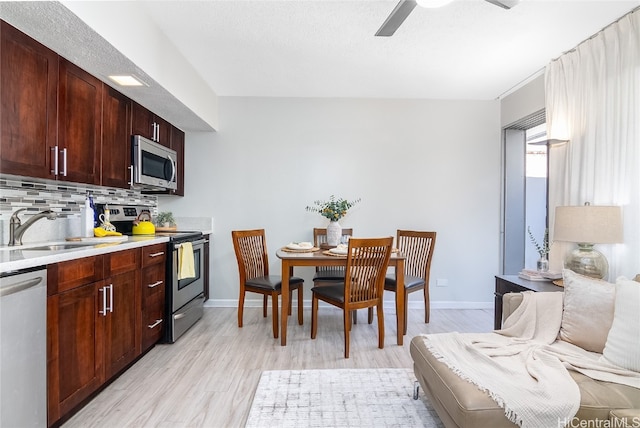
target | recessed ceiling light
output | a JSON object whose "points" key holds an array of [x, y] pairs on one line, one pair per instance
{"points": [[128, 80]]}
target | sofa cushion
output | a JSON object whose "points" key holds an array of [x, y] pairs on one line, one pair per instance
{"points": [[588, 311], [623, 344]]}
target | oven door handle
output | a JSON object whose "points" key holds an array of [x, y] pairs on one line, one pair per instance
{"points": [[194, 243]]}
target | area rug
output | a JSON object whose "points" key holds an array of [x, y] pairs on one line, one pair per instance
{"points": [[340, 398]]}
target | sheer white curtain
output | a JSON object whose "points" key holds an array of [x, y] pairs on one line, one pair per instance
{"points": [[593, 100]]}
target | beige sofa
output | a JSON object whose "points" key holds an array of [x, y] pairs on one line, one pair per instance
{"points": [[461, 404]]}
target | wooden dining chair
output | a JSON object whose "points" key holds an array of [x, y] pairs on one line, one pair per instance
{"points": [[327, 274], [253, 267], [417, 247], [363, 287]]}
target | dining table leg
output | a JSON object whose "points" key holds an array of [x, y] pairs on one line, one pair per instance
{"points": [[401, 305], [284, 318]]}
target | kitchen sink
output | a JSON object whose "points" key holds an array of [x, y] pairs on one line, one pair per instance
{"points": [[57, 247]]}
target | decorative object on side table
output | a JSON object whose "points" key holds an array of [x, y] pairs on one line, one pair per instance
{"points": [[542, 265], [587, 225], [333, 209]]}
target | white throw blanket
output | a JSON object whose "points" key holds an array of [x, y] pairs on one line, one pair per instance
{"points": [[522, 368]]}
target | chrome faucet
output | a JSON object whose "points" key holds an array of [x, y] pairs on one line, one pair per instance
{"points": [[17, 229]]}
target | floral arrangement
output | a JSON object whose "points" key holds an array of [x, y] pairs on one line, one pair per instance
{"points": [[543, 250], [333, 209]]}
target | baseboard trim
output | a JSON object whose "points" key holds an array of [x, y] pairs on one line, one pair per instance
{"points": [[390, 304]]}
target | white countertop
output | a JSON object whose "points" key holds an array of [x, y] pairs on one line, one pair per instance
{"points": [[24, 256]]}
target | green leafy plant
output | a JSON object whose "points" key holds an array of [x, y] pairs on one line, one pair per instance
{"points": [[165, 217], [333, 209], [543, 250]]}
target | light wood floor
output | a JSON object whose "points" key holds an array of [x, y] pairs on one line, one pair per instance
{"points": [[209, 376]]}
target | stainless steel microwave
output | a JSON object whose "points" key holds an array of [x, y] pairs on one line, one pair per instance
{"points": [[154, 165]]}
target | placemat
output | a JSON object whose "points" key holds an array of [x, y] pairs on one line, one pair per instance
{"points": [[302, 250]]}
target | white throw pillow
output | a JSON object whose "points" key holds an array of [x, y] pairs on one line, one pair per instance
{"points": [[588, 311], [623, 344]]}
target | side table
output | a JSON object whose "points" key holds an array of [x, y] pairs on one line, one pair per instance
{"points": [[515, 284]]}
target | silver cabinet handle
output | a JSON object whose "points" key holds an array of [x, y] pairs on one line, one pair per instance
{"points": [[110, 297], [155, 284], [154, 324], [64, 161], [161, 253], [54, 171], [153, 127], [158, 132], [103, 312]]}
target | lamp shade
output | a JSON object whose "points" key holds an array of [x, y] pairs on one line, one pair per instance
{"points": [[588, 224]]}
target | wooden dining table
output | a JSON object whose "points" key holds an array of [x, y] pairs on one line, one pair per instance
{"points": [[319, 258]]}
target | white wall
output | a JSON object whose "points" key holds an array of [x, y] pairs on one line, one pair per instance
{"points": [[416, 164]]}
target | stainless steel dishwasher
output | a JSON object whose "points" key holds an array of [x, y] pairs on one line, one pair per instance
{"points": [[23, 348]]}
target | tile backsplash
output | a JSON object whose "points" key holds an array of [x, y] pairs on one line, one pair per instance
{"points": [[64, 198]]}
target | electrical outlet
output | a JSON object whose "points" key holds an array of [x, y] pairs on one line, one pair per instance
{"points": [[441, 282]]}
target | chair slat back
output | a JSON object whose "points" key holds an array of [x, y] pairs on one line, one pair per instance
{"points": [[417, 247], [367, 262], [251, 253], [320, 235], [320, 238]]}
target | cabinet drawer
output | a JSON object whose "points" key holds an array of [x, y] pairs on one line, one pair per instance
{"points": [[153, 280], [152, 319], [65, 276], [154, 254], [121, 262]]}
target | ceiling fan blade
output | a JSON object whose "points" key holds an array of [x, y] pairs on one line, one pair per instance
{"points": [[396, 18], [505, 4]]}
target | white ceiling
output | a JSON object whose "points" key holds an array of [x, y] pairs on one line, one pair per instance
{"points": [[469, 49]]}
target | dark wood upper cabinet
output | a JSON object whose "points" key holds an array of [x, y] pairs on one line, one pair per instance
{"points": [[150, 126], [79, 124], [116, 139], [177, 144], [29, 82]]}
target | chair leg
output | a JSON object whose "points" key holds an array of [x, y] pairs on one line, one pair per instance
{"points": [[240, 306], [370, 315], [380, 326], [347, 332], [290, 301], [354, 317], [406, 311], [274, 316], [300, 304], [264, 306], [314, 316], [427, 304]]}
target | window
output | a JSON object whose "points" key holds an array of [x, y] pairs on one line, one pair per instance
{"points": [[524, 192]]}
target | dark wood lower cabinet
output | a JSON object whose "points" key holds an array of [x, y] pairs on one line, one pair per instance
{"points": [[95, 328], [75, 348], [121, 329]]}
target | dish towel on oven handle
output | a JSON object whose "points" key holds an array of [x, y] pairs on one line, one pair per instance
{"points": [[185, 261]]}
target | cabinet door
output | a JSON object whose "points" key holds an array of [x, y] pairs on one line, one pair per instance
{"points": [[79, 124], [177, 144], [75, 347], [120, 323], [142, 122], [29, 82], [116, 139], [163, 135]]}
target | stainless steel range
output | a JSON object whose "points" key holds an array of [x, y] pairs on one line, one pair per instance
{"points": [[184, 297]]}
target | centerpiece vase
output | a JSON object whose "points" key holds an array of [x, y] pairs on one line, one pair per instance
{"points": [[334, 233]]}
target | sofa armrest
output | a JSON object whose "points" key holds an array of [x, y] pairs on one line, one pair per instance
{"points": [[624, 418], [510, 301]]}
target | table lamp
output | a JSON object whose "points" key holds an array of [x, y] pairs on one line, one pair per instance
{"points": [[588, 225]]}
